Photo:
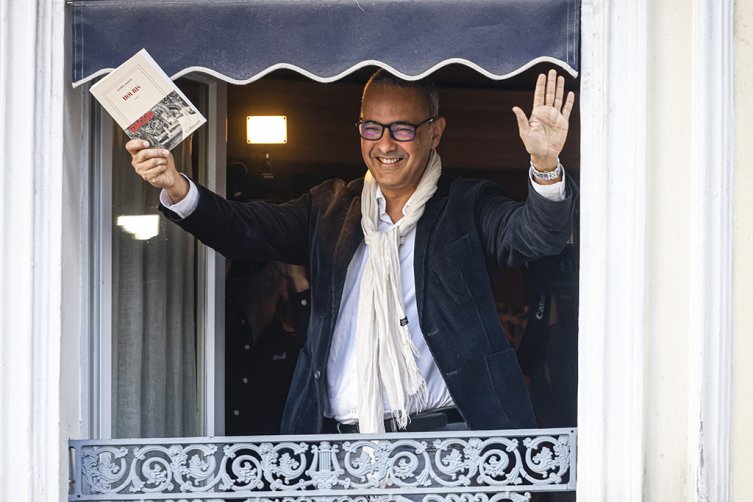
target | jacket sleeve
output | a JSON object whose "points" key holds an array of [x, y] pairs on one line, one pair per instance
{"points": [[255, 231], [514, 233]]}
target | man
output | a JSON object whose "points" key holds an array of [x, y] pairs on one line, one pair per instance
{"points": [[404, 333]]}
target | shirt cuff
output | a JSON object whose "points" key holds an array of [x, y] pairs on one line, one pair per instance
{"points": [[554, 192], [185, 207]]}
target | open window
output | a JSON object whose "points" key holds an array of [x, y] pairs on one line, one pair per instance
{"points": [[484, 58]]}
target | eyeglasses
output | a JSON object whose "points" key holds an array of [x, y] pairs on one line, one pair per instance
{"points": [[399, 131]]}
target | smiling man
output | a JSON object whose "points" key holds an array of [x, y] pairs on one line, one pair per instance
{"points": [[404, 332], [399, 129]]}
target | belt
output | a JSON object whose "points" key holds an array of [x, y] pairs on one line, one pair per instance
{"points": [[419, 422]]}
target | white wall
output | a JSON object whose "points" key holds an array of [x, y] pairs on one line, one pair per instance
{"points": [[39, 357], [742, 404], [689, 249], [16, 248], [668, 241]]}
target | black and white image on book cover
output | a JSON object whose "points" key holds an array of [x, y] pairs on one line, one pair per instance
{"points": [[166, 123], [146, 104]]}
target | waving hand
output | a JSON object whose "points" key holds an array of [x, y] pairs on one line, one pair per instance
{"points": [[545, 132]]}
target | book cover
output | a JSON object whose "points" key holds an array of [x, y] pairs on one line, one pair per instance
{"points": [[146, 104]]}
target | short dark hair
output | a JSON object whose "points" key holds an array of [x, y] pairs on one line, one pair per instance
{"points": [[426, 85]]}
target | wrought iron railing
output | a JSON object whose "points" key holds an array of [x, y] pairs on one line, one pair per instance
{"points": [[479, 466]]}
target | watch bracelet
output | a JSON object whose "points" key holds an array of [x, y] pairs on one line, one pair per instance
{"points": [[546, 175]]}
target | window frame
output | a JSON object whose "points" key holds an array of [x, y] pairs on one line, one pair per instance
{"points": [[210, 275]]}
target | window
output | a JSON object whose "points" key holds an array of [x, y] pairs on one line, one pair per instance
{"points": [[152, 346], [157, 281]]}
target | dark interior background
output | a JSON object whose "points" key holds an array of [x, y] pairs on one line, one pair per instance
{"points": [[481, 139]]}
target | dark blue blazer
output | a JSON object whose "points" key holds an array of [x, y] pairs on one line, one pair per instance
{"points": [[467, 226]]}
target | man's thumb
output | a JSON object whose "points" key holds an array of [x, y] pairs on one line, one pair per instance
{"points": [[522, 120]]}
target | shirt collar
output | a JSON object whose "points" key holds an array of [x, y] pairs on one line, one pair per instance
{"points": [[382, 204]]}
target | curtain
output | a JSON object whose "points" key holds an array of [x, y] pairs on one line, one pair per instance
{"points": [[154, 387]]}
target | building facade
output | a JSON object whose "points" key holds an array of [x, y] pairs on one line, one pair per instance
{"points": [[666, 228]]}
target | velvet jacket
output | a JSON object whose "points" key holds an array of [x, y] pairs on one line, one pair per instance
{"points": [[467, 226]]}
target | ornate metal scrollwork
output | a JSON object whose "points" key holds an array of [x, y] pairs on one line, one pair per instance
{"points": [[484, 466]]}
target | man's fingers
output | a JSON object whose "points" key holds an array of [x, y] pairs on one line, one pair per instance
{"points": [[522, 121], [568, 105], [551, 87], [152, 163], [136, 145], [149, 153], [559, 93], [153, 172], [539, 91], [148, 164]]}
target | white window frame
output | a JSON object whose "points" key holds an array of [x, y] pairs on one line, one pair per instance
{"points": [[612, 250], [210, 279], [212, 271]]}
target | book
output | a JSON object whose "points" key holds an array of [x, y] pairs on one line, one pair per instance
{"points": [[146, 104]]}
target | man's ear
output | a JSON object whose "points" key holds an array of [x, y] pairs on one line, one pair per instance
{"points": [[437, 130]]}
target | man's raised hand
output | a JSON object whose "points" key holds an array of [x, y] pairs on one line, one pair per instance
{"points": [[157, 167], [545, 132]]}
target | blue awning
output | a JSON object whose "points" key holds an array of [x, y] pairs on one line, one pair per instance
{"points": [[239, 41]]}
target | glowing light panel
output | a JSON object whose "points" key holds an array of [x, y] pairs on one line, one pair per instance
{"points": [[266, 129]]}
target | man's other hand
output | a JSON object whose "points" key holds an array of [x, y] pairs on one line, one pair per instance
{"points": [[544, 134], [156, 166]]}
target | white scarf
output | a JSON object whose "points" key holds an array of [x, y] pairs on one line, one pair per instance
{"points": [[385, 353]]}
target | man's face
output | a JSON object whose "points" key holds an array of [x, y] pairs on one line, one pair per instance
{"points": [[398, 165]]}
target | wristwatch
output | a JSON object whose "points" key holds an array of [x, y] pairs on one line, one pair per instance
{"points": [[546, 175]]}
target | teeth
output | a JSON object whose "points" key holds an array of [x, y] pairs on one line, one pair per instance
{"points": [[388, 161]]}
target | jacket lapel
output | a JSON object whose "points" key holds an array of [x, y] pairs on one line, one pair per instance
{"points": [[432, 210], [349, 239]]}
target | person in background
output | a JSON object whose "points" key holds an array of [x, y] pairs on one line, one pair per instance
{"points": [[266, 319]]}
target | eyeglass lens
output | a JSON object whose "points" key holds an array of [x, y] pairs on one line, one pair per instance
{"points": [[399, 132]]}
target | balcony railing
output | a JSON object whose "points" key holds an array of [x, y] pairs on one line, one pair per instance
{"points": [[479, 466]]}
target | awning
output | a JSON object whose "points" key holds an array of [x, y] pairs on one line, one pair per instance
{"points": [[239, 41]]}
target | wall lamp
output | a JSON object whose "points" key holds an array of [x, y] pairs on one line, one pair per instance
{"points": [[266, 129]]}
